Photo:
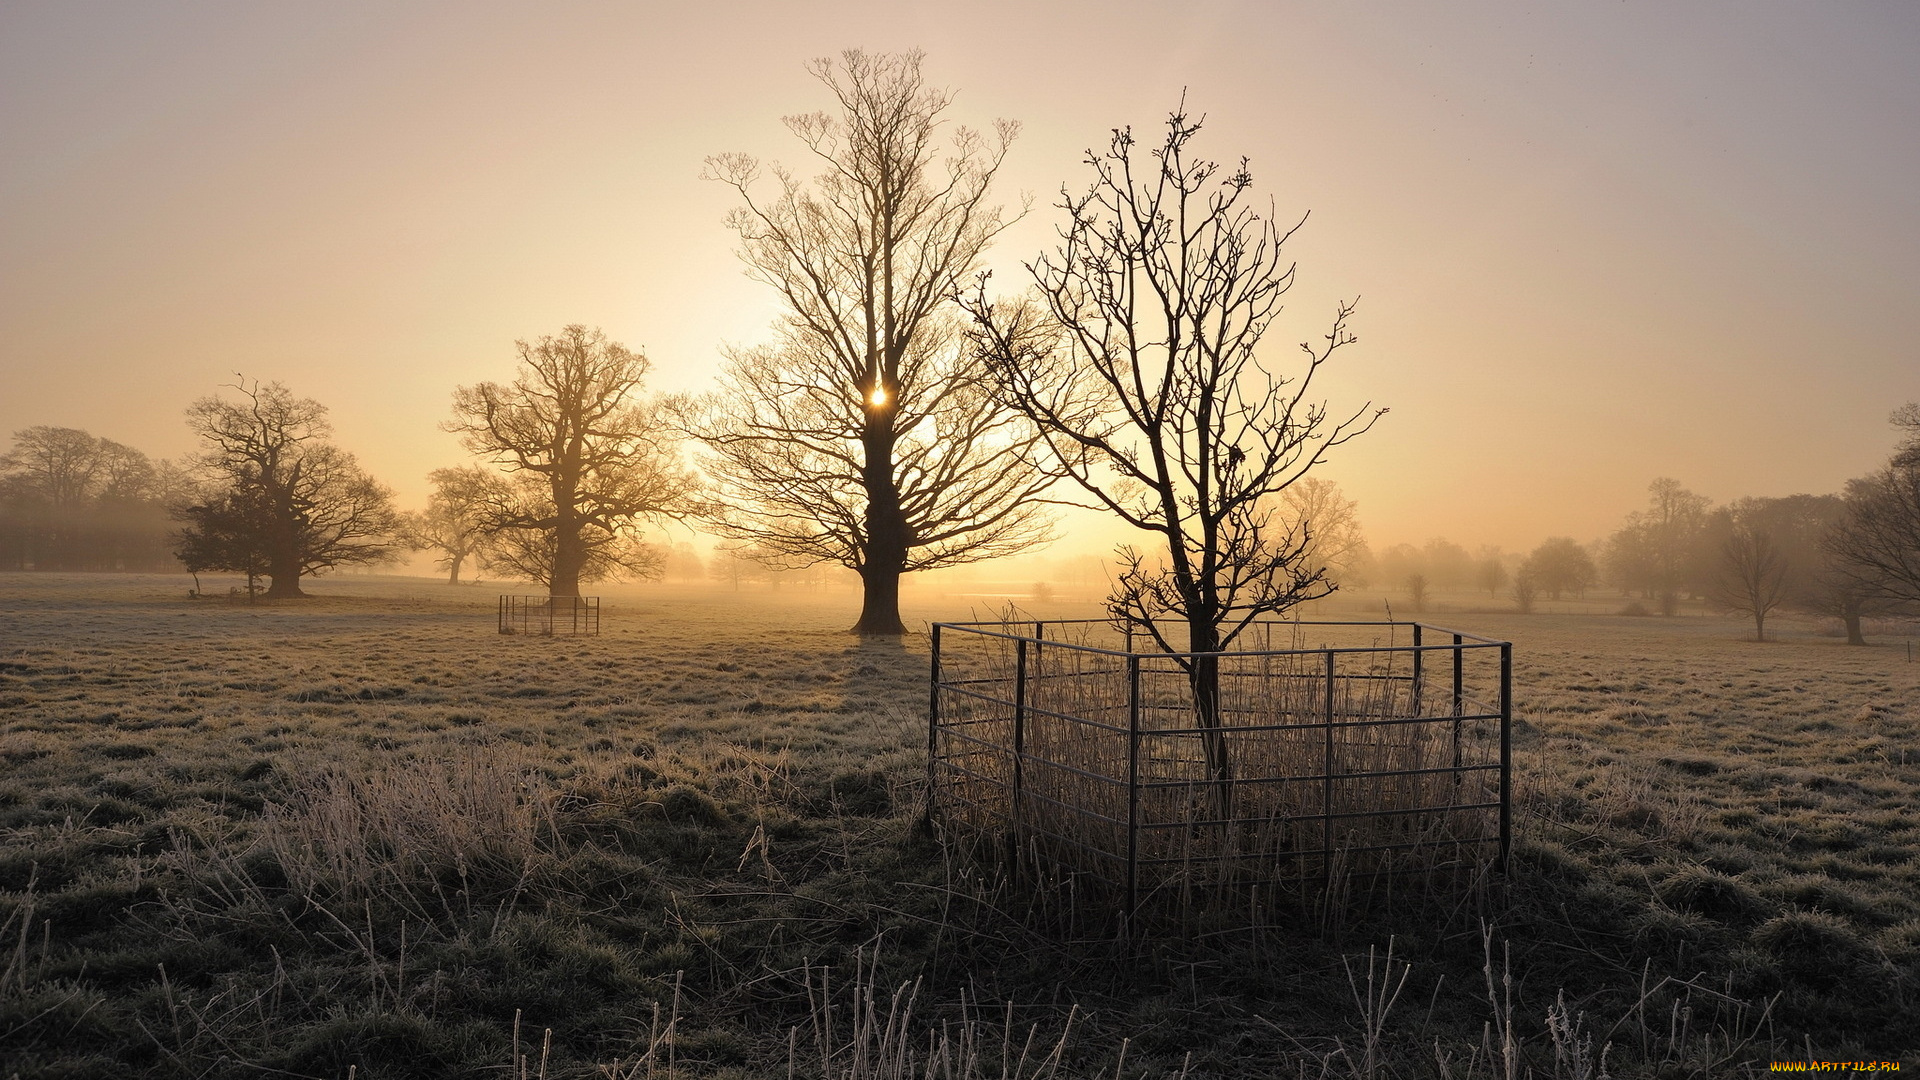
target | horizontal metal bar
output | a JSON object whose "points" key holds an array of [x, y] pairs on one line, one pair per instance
{"points": [[1309, 818], [1316, 725], [1029, 793], [1438, 770], [1064, 767], [1082, 845], [1312, 852]]}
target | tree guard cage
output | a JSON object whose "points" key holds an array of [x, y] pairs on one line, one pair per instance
{"points": [[550, 616], [1344, 751]]}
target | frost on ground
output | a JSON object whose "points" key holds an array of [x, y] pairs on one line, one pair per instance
{"points": [[365, 830]]}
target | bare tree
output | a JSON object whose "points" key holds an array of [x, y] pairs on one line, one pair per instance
{"points": [[1525, 592], [1659, 550], [284, 500], [1824, 582], [1490, 572], [1560, 565], [63, 466], [586, 460], [1417, 585], [866, 435], [455, 523], [1139, 366], [1876, 544], [1331, 522], [1751, 578]]}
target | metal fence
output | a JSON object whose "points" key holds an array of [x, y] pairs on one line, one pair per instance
{"points": [[1342, 750], [550, 615]]}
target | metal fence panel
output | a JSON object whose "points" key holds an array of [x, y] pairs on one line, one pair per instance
{"points": [[550, 616], [1342, 749]]}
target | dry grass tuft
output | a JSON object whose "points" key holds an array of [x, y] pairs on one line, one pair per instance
{"points": [[479, 817]]}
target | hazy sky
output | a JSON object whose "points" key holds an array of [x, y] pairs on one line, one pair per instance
{"points": [[1594, 243]]}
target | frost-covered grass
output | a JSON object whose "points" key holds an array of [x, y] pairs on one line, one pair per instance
{"points": [[364, 831]]}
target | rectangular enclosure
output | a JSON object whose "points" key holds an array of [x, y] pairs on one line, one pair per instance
{"points": [[1310, 754], [566, 616]]}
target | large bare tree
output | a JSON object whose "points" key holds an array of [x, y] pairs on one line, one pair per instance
{"points": [[282, 499], [1876, 543], [1140, 365], [865, 434], [586, 458]]}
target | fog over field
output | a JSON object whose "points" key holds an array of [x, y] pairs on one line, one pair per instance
{"points": [[871, 541]]}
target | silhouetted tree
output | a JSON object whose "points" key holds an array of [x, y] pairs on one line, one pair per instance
{"points": [[734, 563], [1331, 522], [1560, 565], [684, 563], [1659, 550], [1398, 563], [228, 532], [1139, 366], [865, 435], [455, 523], [305, 505], [585, 458], [1752, 575], [1490, 571], [1525, 591], [1876, 543], [1792, 530], [1448, 566], [64, 466], [1417, 591]]}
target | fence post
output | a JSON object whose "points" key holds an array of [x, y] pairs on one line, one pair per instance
{"points": [[1326, 784], [933, 717], [1419, 659], [1133, 793], [1506, 752], [1458, 655], [1019, 738], [1038, 666]]}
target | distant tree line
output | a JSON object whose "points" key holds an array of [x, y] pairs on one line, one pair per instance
{"points": [[1849, 556], [70, 500]]}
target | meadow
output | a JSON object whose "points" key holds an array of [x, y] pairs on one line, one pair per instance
{"points": [[365, 835]]}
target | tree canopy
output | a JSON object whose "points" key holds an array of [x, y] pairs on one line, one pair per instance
{"points": [[586, 461], [281, 499], [865, 434]]}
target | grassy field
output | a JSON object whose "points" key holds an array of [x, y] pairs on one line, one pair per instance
{"points": [[364, 833]]}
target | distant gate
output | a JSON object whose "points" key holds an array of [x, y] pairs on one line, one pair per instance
{"points": [[572, 616]]}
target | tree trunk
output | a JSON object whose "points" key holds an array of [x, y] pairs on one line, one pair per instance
{"points": [[284, 571], [887, 534], [568, 555], [1203, 679], [880, 602], [1759, 625], [1851, 617]]}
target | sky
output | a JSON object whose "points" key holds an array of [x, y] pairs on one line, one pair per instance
{"points": [[1592, 243]]}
